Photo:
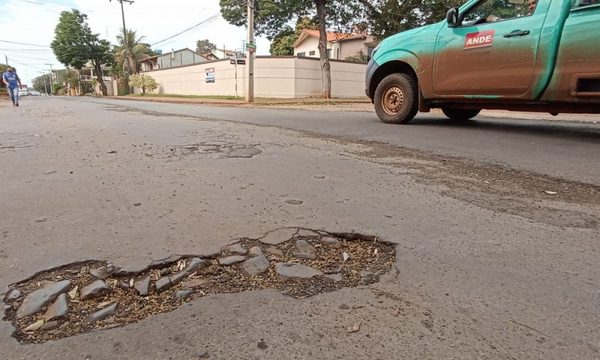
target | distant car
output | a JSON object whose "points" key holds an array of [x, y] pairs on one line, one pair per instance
{"points": [[23, 92], [35, 93]]}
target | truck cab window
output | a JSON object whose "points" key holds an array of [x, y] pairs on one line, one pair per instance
{"points": [[588, 2], [490, 11]]}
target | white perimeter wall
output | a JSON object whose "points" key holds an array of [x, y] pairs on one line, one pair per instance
{"points": [[275, 77]]}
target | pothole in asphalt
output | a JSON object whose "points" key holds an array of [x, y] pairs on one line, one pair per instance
{"points": [[214, 149], [17, 141], [88, 296]]}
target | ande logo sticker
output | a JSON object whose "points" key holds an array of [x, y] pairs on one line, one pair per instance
{"points": [[479, 39]]}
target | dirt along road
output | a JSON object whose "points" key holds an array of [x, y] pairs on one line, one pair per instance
{"points": [[351, 239]]}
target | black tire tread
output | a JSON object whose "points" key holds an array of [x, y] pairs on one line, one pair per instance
{"points": [[409, 83]]}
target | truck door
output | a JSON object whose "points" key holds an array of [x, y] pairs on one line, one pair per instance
{"points": [[492, 51], [577, 74]]}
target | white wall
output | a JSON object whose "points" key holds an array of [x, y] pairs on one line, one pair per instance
{"points": [[308, 45], [275, 77]]}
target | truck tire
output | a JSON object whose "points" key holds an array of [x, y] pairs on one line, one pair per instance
{"points": [[460, 114], [397, 99]]}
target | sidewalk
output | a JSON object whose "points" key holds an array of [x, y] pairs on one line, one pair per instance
{"points": [[226, 100], [348, 105]]}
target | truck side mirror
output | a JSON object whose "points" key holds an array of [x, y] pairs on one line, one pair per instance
{"points": [[452, 17]]}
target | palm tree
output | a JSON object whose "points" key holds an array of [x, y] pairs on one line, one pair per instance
{"points": [[128, 54]]}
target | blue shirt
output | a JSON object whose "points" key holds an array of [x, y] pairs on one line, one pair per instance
{"points": [[11, 79]]}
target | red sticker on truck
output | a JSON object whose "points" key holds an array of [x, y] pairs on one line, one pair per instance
{"points": [[480, 39]]}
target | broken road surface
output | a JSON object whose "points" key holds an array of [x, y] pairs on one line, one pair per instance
{"points": [[495, 228]]}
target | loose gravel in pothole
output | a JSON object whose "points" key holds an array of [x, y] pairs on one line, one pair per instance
{"points": [[298, 262]]}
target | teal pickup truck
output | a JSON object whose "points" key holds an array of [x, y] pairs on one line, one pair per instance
{"points": [[522, 55]]}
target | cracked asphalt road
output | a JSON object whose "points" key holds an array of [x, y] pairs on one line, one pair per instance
{"points": [[491, 263]]}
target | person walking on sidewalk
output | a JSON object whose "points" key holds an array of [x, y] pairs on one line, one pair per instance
{"points": [[13, 84]]}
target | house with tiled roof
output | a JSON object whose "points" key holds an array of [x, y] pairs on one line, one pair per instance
{"points": [[340, 46], [173, 58]]}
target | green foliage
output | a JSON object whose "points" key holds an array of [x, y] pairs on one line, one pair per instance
{"points": [[72, 79], [205, 47], [271, 16], [388, 17], [144, 82], [128, 54], [75, 45], [359, 58], [2, 70], [87, 88], [70, 44], [283, 43], [58, 89], [42, 83]]}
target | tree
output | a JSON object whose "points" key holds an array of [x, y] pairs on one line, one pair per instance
{"points": [[2, 70], [72, 81], [388, 17], [274, 15], [128, 55], [283, 43], [358, 58], [75, 45], [204, 47], [42, 83], [144, 82], [100, 55]]}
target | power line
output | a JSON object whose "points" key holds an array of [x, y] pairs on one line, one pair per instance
{"points": [[203, 22], [26, 44], [26, 50]]}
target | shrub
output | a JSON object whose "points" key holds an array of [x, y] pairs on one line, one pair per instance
{"points": [[144, 82]]}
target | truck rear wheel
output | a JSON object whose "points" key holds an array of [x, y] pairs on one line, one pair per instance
{"points": [[397, 99], [460, 114]]}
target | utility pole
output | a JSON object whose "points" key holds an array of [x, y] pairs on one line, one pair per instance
{"points": [[51, 72], [6, 58], [128, 69], [251, 49]]}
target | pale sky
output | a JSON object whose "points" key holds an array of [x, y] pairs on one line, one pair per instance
{"points": [[33, 22]]}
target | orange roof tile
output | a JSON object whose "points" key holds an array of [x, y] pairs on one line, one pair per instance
{"points": [[335, 36]]}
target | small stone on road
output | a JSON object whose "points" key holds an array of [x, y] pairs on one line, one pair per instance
{"points": [[255, 251], [195, 264], [39, 298], [95, 289], [272, 250], [142, 286], [104, 313], [13, 295], [35, 326], [256, 265], [288, 271], [59, 309], [304, 250], [183, 294], [163, 284], [330, 241], [231, 260]]}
